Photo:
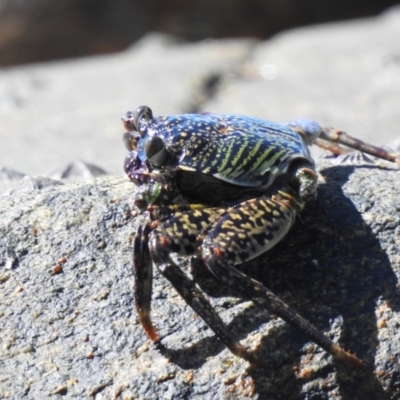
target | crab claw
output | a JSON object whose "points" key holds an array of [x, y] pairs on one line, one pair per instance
{"points": [[131, 140]]}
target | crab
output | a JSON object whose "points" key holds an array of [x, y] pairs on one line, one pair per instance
{"points": [[223, 189]]}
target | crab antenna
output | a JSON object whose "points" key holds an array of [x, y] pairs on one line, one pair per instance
{"points": [[338, 136]]}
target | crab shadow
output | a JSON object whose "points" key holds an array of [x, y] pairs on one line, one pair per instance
{"points": [[330, 267]]}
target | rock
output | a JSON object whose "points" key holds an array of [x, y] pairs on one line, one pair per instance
{"points": [[9, 175], [57, 113], [69, 327], [31, 183], [77, 170], [343, 75], [9, 178]]}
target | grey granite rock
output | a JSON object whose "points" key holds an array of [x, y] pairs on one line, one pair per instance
{"points": [[69, 328], [31, 183], [9, 178]]}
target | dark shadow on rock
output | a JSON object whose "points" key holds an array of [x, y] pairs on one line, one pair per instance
{"points": [[331, 265], [364, 272]]}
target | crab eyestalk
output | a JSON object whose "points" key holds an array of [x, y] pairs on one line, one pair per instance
{"points": [[141, 115]]}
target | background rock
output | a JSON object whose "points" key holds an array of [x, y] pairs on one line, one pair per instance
{"points": [[56, 113], [343, 75]]}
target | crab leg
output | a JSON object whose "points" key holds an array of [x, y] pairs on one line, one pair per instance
{"points": [[333, 148], [143, 273], [196, 300], [338, 136], [163, 241], [142, 263], [242, 233]]}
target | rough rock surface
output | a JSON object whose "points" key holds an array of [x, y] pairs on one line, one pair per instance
{"points": [[69, 329]]}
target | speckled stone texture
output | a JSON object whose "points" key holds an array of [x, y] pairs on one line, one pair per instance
{"points": [[69, 328]]}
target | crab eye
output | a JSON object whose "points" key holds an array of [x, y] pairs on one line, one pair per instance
{"points": [[155, 150], [142, 113], [130, 141]]}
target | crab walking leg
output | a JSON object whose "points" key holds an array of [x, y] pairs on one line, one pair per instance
{"points": [[142, 262], [242, 233], [143, 274], [333, 148], [338, 136], [196, 300], [163, 241]]}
